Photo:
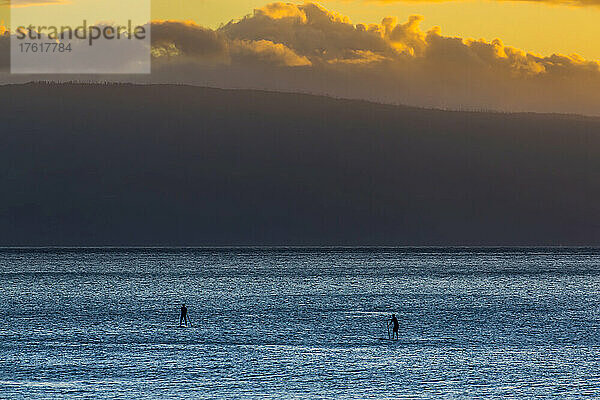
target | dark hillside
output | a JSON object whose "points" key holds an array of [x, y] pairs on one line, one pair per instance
{"points": [[179, 165]]}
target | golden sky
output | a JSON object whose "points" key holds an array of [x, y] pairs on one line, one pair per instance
{"points": [[532, 26], [536, 26], [536, 55]]}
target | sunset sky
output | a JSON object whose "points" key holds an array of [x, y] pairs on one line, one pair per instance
{"points": [[501, 55], [537, 26], [544, 27]]}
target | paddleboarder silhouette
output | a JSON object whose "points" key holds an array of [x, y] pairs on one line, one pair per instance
{"points": [[183, 317], [396, 326]]}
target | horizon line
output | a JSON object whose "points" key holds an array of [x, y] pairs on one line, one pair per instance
{"points": [[308, 247]]}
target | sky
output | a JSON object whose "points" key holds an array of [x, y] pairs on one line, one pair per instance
{"points": [[536, 26], [538, 55]]}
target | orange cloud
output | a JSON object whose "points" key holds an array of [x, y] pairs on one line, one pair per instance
{"points": [[269, 52], [315, 33], [387, 62], [281, 11]]}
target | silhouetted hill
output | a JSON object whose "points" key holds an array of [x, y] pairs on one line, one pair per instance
{"points": [[178, 165]]}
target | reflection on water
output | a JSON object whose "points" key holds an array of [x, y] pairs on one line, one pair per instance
{"points": [[289, 323]]}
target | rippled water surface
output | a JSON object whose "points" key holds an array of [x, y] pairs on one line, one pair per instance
{"points": [[304, 324]]}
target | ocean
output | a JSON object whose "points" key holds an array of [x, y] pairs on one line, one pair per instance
{"points": [[299, 323]]}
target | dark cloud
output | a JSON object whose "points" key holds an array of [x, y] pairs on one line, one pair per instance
{"points": [[186, 39], [190, 42]]}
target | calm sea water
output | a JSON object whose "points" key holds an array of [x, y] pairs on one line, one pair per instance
{"points": [[299, 323]]}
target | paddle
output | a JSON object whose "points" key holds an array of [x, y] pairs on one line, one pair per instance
{"points": [[388, 328]]}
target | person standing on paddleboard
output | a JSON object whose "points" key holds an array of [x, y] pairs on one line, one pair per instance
{"points": [[396, 327], [183, 316]]}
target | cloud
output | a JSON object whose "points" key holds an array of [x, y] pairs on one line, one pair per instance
{"points": [[187, 41], [306, 48], [281, 11], [265, 51], [309, 30]]}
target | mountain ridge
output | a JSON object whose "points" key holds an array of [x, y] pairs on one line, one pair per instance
{"points": [[176, 165], [93, 84]]}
